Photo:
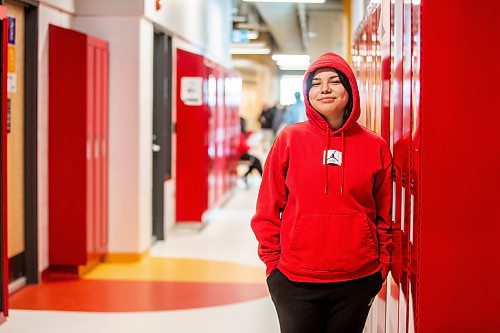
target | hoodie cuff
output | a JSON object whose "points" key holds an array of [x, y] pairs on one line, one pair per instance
{"points": [[271, 267], [385, 271]]}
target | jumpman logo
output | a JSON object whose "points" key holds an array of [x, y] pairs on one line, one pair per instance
{"points": [[334, 157]]}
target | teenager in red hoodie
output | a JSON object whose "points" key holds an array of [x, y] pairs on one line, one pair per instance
{"points": [[323, 211]]}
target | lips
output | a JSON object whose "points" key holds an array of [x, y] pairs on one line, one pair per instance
{"points": [[327, 99]]}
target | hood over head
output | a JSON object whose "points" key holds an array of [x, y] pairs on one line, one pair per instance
{"points": [[336, 62]]}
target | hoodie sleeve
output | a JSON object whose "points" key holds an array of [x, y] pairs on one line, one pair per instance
{"points": [[271, 200], [382, 193]]}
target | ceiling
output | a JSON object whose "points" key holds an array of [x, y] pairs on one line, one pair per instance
{"points": [[289, 28]]}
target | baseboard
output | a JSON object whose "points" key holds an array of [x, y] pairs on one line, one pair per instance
{"points": [[120, 257]]}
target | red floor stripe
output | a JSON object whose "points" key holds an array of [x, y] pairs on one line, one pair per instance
{"points": [[124, 296]]}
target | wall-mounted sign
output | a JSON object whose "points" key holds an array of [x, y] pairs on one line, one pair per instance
{"points": [[11, 58], [12, 30], [192, 90], [11, 83]]}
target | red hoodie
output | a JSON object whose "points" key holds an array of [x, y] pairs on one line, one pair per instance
{"points": [[326, 222], [243, 147]]}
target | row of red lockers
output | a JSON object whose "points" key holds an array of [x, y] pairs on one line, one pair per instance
{"points": [[208, 128], [423, 93]]}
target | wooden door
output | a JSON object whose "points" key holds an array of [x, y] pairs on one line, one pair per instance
{"points": [[4, 275], [16, 143]]}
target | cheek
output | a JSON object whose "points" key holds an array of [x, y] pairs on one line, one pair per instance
{"points": [[344, 97], [314, 104], [312, 95]]}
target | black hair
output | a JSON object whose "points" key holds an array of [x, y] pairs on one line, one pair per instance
{"points": [[345, 83], [243, 126]]}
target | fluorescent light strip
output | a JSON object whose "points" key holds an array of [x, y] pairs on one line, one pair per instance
{"points": [[252, 35], [295, 1], [291, 57], [250, 51], [293, 68], [292, 61]]}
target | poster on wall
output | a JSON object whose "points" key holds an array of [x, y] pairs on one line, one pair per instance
{"points": [[11, 83], [11, 56], [12, 31], [192, 90]]}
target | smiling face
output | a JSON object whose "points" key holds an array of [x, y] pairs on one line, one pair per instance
{"points": [[328, 96]]}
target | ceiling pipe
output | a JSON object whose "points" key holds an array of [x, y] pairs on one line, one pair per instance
{"points": [[301, 9]]}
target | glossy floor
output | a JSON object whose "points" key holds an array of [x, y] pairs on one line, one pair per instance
{"points": [[208, 281]]}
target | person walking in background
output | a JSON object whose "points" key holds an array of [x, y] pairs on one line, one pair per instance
{"points": [[266, 119], [243, 150], [278, 118], [295, 113], [323, 211]]}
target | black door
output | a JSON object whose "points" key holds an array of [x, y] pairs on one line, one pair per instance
{"points": [[162, 127]]}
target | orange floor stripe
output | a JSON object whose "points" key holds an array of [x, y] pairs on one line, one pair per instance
{"points": [[179, 270], [125, 296]]}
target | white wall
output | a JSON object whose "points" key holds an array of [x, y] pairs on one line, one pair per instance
{"points": [[329, 33], [67, 6], [205, 23], [109, 7], [128, 26], [145, 133], [48, 13], [218, 31], [125, 106], [357, 13]]}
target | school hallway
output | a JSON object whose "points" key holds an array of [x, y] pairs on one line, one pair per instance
{"points": [[196, 281]]}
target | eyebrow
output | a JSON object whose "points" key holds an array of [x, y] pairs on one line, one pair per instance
{"points": [[331, 77]]}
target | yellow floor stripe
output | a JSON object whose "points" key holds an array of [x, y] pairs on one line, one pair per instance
{"points": [[178, 269]]}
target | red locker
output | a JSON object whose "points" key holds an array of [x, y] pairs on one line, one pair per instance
{"points": [[78, 111], [204, 130], [460, 163], [4, 261], [219, 135], [196, 99], [443, 124]]}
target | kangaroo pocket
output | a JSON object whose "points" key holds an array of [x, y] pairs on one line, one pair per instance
{"points": [[332, 242]]}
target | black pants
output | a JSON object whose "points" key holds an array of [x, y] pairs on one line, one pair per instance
{"points": [[254, 163], [340, 307]]}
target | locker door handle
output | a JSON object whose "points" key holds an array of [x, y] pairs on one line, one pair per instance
{"points": [[156, 148], [96, 149]]}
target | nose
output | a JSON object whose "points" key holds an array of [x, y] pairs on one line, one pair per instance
{"points": [[325, 88]]}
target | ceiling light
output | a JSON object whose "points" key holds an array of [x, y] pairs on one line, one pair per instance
{"points": [[250, 48], [292, 61], [303, 1], [253, 34], [291, 57], [293, 68], [250, 51]]}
